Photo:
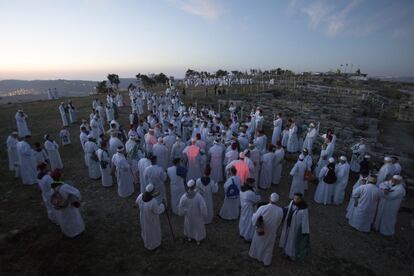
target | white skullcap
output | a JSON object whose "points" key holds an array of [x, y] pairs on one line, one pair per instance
{"points": [[15, 133], [149, 188], [397, 177], [343, 158], [311, 125], [241, 155], [274, 197], [90, 136], [387, 159], [367, 156], [20, 110], [151, 130], [331, 160], [193, 140], [301, 157], [190, 183]]}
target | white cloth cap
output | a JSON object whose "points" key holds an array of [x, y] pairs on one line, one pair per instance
{"points": [[331, 160], [301, 157], [397, 177], [367, 156], [190, 183], [149, 188], [90, 136], [387, 159], [241, 155], [343, 158], [274, 197]]}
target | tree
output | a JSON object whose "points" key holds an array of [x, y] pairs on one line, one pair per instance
{"points": [[221, 73], [101, 87], [146, 81], [161, 78], [358, 72], [114, 79]]}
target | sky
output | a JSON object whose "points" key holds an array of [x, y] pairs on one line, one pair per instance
{"points": [[87, 39]]}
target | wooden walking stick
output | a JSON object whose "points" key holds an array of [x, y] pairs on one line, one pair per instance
{"points": [[169, 222]]}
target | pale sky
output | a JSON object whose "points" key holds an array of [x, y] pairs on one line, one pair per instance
{"points": [[87, 39]]}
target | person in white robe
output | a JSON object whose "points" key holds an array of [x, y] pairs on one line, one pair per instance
{"points": [[397, 165], [265, 179], [285, 136], [119, 100], [124, 177], [392, 194], [27, 164], [206, 186], [177, 185], [309, 163], [161, 152], [298, 174], [367, 197], [44, 181], [149, 217], [254, 155], [62, 111], [72, 112], [269, 217], [342, 173], [192, 154], [323, 160], [114, 143], [95, 127], [177, 149], [39, 154], [231, 205], [293, 142], [83, 137], [11, 143], [325, 191], [52, 149], [91, 159], [386, 171], [21, 124], [150, 140], [68, 216], [156, 176], [277, 129], [143, 163], [215, 154], [358, 152], [248, 201], [104, 164], [243, 168], [310, 138], [260, 142], [295, 228], [279, 156], [64, 136], [193, 207], [363, 178]]}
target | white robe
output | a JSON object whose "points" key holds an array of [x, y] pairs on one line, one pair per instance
{"points": [[352, 202], [52, 149], [156, 176], [277, 130], [265, 180], [299, 223], [12, 153], [27, 164], [260, 143], [194, 169], [262, 246], [309, 139], [277, 165], [143, 163], [21, 123], [124, 176], [114, 143], [177, 150], [358, 152], [149, 217], [248, 201], [293, 143], [385, 173], [193, 207], [324, 192], [364, 214], [45, 186], [69, 218], [388, 207], [103, 156], [177, 187], [231, 206], [93, 166], [161, 152], [63, 115], [342, 173], [206, 191], [298, 180], [216, 162]]}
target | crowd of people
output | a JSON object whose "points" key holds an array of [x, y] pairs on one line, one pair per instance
{"points": [[194, 151]]}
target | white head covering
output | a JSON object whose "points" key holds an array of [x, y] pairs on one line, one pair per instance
{"points": [[149, 188], [367, 156], [311, 125], [274, 197], [343, 158], [15, 133], [397, 177], [190, 183], [301, 157], [241, 155], [90, 136], [387, 159], [331, 160]]}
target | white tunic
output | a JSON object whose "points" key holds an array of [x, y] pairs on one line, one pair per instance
{"points": [[351, 204], [156, 176], [231, 206], [363, 216], [103, 157], [293, 143], [193, 207], [124, 176], [27, 164], [52, 149], [265, 180], [216, 162], [342, 174], [149, 217], [161, 152], [45, 186], [22, 128], [63, 115], [309, 139], [388, 207], [358, 152], [298, 181], [114, 143], [299, 224], [248, 201], [69, 218], [262, 246], [277, 130], [93, 165], [194, 169], [12, 153], [143, 163], [385, 173], [177, 187], [206, 191], [277, 165], [324, 192]]}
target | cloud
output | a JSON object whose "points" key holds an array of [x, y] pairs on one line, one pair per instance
{"points": [[202, 8]]}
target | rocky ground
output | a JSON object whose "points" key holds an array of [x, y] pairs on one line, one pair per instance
{"points": [[111, 245]]}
